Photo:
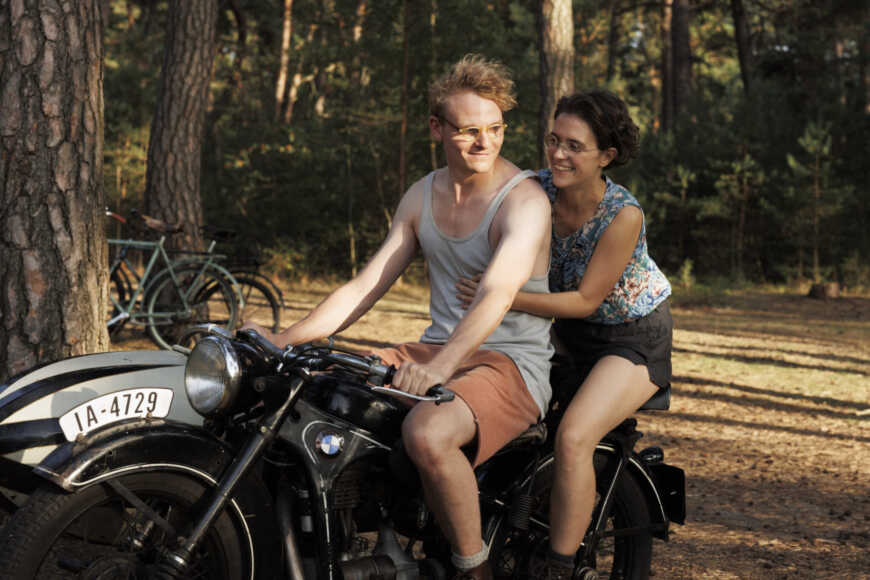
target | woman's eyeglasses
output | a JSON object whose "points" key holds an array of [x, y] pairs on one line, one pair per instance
{"points": [[569, 147]]}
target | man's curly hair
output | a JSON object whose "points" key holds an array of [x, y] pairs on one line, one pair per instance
{"points": [[487, 78], [608, 117]]}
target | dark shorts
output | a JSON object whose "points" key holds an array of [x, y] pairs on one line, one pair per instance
{"points": [[646, 341]]}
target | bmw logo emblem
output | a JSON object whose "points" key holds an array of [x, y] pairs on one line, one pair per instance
{"points": [[328, 443]]}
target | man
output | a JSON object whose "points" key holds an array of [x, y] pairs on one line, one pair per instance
{"points": [[478, 215]]}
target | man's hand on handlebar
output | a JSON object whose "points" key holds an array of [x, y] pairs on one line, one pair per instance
{"points": [[264, 332], [416, 378]]}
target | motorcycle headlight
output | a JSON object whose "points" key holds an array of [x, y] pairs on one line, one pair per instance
{"points": [[212, 375]]}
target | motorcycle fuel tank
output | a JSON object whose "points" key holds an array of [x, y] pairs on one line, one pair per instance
{"points": [[345, 398]]}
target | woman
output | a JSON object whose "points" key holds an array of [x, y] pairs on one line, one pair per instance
{"points": [[608, 298]]}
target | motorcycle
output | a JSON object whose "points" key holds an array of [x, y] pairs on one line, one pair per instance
{"points": [[298, 472]]}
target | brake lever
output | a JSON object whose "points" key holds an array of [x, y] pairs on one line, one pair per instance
{"points": [[436, 394]]}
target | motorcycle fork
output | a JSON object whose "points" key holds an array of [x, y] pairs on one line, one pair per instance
{"points": [[625, 436], [266, 430]]}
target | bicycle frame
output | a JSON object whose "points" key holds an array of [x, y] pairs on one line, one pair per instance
{"points": [[132, 310]]}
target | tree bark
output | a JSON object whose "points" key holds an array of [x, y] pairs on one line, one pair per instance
{"points": [[52, 242], [613, 38], [742, 38], [403, 124], [556, 48], [667, 121], [682, 55], [175, 149], [284, 68], [864, 64]]}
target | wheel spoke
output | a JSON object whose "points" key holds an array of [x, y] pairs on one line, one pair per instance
{"points": [[142, 507]]}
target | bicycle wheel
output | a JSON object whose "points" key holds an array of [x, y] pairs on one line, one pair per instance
{"points": [[517, 554], [119, 291], [199, 297], [260, 303]]}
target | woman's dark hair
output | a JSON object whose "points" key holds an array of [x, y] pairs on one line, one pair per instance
{"points": [[609, 119]]}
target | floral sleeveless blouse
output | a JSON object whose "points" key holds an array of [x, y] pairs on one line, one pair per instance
{"points": [[642, 286]]}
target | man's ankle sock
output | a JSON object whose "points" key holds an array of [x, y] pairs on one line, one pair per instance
{"points": [[469, 562]]}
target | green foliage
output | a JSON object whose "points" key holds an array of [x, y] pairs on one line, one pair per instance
{"points": [[727, 192]]}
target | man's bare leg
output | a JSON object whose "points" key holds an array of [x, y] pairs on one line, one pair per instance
{"points": [[432, 437]]}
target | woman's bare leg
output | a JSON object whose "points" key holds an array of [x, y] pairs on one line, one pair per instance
{"points": [[614, 389]]}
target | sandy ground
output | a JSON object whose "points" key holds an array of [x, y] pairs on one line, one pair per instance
{"points": [[769, 419]]}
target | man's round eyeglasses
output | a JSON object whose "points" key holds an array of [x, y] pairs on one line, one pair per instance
{"points": [[569, 147], [473, 132]]}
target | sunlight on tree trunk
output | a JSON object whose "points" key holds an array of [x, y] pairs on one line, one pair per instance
{"points": [[284, 67], [175, 149], [667, 67], [681, 71], [403, 123], [556, 46], [742, 39], [613, 39], [53, 255]]}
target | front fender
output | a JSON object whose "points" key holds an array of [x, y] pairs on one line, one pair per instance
{"points": [[160, 445], [136, 446], [32, 402]]}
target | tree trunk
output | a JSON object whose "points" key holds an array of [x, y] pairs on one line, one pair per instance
{"points": [[53, 251], [741, 37], [284, 68], [864, 64], [667, 67], [682, 56], [403, 124], [613, 39], [298, 79], [556, 48], [175, 149]]}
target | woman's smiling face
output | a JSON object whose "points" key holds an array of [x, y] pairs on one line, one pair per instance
{"points": [[573, 153]]}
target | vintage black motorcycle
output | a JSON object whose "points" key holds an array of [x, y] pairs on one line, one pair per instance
{"points": [[298, 472]]}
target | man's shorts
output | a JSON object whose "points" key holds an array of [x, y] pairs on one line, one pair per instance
{"points": [[492, 387]]}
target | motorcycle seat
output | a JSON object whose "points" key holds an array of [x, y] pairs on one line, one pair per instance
{"points": [[661, 401], [534, 435]]}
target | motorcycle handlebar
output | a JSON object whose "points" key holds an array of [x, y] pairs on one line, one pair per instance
{"points": [[375, 371]]}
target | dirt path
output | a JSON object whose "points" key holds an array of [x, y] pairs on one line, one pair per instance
{"points": [[769, 419]]}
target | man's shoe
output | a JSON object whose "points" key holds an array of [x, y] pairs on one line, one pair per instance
{"points": [[557, 572], [482, 572]]}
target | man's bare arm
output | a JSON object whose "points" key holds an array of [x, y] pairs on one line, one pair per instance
{"points": [[353, 299]]}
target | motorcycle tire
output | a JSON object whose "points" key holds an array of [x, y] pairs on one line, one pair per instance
{"points": [[95, 534], [521, 554]]}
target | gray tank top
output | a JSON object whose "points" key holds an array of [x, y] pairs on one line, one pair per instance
{"points": [[523, 337]]}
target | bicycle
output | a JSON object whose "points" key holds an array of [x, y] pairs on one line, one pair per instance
{"points": [[262, 299], [184, 292]]}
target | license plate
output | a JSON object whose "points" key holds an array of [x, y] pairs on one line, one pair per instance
{"points": [[114, 407]]}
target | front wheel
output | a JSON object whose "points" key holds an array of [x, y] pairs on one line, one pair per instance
{"points": [[97, 534], [624, 553]]}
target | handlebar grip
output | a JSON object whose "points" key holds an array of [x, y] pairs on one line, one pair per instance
{"points": [[443, 395], [388, 376], [254, 337]]}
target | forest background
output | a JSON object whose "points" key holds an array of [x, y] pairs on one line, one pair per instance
{"points": [[300, 123], [746, 179]]}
